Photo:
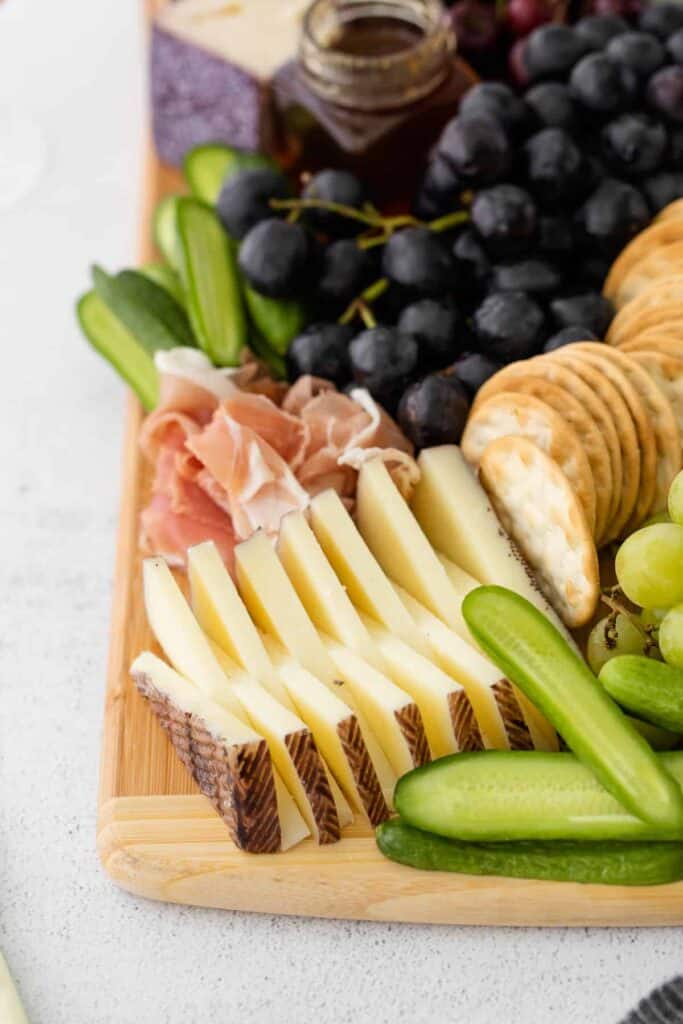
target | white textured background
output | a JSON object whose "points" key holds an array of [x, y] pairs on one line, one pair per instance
{"points": [[82, 951]]}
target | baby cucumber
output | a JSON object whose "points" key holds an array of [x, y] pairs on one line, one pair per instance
{"points": [[504, 795], [600, 863], [119, 347], [658, 738], [145, 308], [166, 277], [536, 657], [207, 167], [165, 230], [648, 688], [211, 283], [278, 321]]}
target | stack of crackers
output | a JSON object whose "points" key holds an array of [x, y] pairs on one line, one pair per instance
{"points": [[578, 448]]}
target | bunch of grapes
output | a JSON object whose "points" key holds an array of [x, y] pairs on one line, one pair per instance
{"points": [[649, 568]]}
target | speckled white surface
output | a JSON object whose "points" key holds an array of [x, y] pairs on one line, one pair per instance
{"points": [[82, 951]]}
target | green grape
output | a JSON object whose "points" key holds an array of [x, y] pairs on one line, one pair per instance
{"points": [[671, 637], [613, 635], [676, 499], [659, 517], [649, 566], [651, 618]]}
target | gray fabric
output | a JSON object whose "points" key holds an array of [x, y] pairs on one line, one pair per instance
{"points": [[663, 1006]]}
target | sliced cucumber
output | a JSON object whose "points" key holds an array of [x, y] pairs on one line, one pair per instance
{"points": [[647, 863], [146, 309], [534, 655], [278, 321], [650, 689], [207, 168], [119, 347], [210, 279], [165, 229], [502, 795], [658, 738], [165, 276]]}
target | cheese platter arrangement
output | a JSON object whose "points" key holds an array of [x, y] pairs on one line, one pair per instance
{"points": [[398, 609]]}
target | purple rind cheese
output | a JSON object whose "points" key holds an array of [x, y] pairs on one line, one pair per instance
{"points": [[199, 98]]}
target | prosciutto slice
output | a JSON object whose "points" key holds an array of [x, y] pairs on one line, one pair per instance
{"points": [[233, 453]]}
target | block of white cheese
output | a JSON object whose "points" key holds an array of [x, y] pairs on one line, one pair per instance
{"points": [[229, 761], [211, 67]]}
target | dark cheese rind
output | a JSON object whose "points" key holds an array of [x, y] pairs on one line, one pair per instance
{"points": [[198, 97]]}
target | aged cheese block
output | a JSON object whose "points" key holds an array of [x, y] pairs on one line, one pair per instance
{"points": [[211, 65]]}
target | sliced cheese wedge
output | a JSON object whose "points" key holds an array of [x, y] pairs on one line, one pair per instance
{"points": [[457, 517], [358, 570], [394, 536], [447, 712], [326, 602], [229, 762], [542, 733], [336, 731], [498, 713], [292, 749], [275, 607], [220, 611], [180, 636], [393, 715]]}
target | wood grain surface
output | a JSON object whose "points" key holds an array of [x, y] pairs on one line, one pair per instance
{"points": [[159, 838]]}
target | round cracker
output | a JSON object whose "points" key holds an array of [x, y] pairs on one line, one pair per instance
{"points": [[613, 402], [569, 380], [614, 365], [667, 373], [538, 508], [664, 424], [592, 441], [664, 232], [659, 264], [514, 414], [654, 341], [667, 317], [671, 212]]}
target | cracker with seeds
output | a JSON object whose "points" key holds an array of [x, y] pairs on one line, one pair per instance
{"points": [[539, 509], [627, 377], [514, 414], [616, 407]]}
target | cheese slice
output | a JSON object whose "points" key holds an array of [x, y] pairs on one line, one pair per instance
{"points": [[326, 602], [228, 760], [393, 716], [499, 717], [275, 607], [11, 1010], [447, 712], [457, 517], [292, 749], [357, 569], [220, 612], [542, 733], [399, 545], [336, 731]]}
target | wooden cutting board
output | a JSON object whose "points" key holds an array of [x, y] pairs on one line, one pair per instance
{"points": [[158, 837]]}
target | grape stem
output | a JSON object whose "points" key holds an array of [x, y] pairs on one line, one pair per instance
{"points": [[613, 599], [361, 304]]}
